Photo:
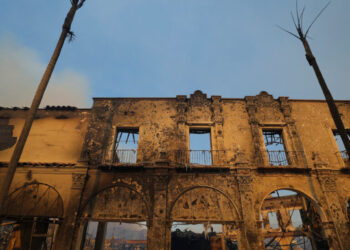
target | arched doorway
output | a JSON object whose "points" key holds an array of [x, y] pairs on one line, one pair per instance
{"points": [[30, 217], [291, 220], [203, 217]]}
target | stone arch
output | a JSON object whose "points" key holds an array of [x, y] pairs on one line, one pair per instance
{"points": [[283, 206], [316, 204], [216, 204], [118, 202], [34, 200]]}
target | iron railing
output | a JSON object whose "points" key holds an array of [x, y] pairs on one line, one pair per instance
{"points": [[280, 157], [199, 157], [125, 156]]}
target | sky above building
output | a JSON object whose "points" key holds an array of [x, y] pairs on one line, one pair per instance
{"points": [[163, 48]]}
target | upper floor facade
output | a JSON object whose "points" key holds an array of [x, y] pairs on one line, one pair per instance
{"points": [[195, 131]]}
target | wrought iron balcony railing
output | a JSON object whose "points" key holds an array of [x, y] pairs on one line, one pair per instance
{"points": [[125, 156], [281, 157], [277, 158], [210, 157], [199, 157]]}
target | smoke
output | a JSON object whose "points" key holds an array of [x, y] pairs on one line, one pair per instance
{"points": [[20, 72]]}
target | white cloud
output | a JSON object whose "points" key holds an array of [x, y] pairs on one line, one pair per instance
{"points": [[20, 72]]}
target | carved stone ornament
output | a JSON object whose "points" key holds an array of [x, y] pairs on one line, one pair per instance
{"points": [[263, 109], [78, 181], [217, 116], [285, 107], [329, 183], [198, 98], [335, 211], [181, 108], [244, 182]]}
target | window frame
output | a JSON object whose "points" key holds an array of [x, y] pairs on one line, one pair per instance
{"points": [[286, 145], [188, 143], [114, 147]]}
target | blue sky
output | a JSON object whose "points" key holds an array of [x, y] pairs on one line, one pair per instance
{"points": [[163, 48]]}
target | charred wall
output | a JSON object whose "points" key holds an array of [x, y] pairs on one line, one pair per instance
{"points": [[164, 185]]}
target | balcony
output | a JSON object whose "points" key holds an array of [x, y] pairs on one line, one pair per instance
{"points": [[277, 157], [281, 157], [199, 157], [125, 156]]}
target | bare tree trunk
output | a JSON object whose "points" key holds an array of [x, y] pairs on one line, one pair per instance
{"points": [[35, 104], [330, 101]]}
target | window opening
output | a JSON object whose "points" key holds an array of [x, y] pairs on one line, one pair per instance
{"points": [[205, 236], [341, 146], [126, 145], [275, 147], [200, 146], [118, 235]]}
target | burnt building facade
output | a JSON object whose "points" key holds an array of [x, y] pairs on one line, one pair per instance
{"points": [[248, 164]]}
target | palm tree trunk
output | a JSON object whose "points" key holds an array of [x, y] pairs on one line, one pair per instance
{"points": [[34, 107], [330, 101]]}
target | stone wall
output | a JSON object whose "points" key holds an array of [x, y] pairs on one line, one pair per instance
{"points": [[74, 155]]}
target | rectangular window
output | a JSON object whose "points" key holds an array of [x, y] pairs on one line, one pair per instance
{"points": [[341, 146], [275, 147], [126, 145], [200, 146]]}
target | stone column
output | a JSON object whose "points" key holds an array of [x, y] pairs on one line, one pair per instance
{"points": [[251, 231], [260, 155], [182, 143], [297, 156], [66, 231], [218, 153], [157, 233]]}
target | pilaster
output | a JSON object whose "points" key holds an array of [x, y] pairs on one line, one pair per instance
{"points": [[67, 230], [251, 231]]}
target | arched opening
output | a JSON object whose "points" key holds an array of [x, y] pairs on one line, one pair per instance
{"points": [[115, 218], [31, 217], [203, 218], [291, 221]]}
